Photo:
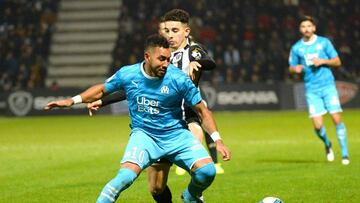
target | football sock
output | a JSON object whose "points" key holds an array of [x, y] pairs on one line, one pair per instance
{"points": [[321, 133], [201, 179], [212, 147], [341, 134], [164, 197], [112, 189]]}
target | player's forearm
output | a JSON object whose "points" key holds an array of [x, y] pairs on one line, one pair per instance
{"points": [[292, 69], [206, 117], [93, 93], [334, 62], [208, 123], [113, 98], [207, 64]]}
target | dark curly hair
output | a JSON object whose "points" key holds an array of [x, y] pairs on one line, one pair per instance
{"points": [[176, 15]]}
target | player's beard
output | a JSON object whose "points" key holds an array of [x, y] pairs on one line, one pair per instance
{"points": [[160, 71]]}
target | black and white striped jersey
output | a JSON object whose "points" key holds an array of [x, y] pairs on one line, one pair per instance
{"points": [[192, 52]]}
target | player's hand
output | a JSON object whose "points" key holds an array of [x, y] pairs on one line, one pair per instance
{"points": [[224, 151], [318, 62], [298, 68], [193, 66], [60, 104], [94, 106]]}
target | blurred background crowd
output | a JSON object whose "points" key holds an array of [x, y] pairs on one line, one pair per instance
{"points": [[25, 37], [249, 39]]}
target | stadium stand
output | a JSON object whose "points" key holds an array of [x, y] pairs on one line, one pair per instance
{"points": [[249, 40], [83, 41], [25, 33]]}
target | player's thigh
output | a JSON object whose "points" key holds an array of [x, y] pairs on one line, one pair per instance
{"points": [[315, 104], [141, 149], [196, 130], [331, 100], [157, 176], [187, 151]]}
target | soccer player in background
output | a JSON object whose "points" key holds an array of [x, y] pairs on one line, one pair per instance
{"points": [[155, 92], [313, 56]]}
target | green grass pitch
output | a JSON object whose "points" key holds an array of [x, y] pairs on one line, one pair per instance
{"points": [[70, 159]]}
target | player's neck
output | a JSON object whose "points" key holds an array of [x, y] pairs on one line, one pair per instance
{"points": [[147, 70], [182, 46], [308, 39]]}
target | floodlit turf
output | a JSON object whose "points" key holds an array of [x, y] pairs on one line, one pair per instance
{"points": [[69, 159]]}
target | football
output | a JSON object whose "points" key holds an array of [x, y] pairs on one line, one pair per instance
{"points": [[271, 200]]}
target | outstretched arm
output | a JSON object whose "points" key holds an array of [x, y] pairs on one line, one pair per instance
{"points": [[91, 94], [209, 125], [106, 100]]}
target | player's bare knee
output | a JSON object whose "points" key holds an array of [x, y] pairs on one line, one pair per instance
{"points": [[156, 190], [200, 163], [132, 166]]}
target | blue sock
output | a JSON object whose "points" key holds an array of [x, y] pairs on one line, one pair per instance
{"points": [[341, 134], [112, 189], [201, 179], [321, 133]]}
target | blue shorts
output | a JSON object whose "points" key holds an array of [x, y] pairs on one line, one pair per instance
{"points": [[179, 147], [322, 101]]}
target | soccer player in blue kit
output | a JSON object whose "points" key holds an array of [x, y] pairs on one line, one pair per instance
{"points": [[313, 56], [192, 59], [155, 90]]}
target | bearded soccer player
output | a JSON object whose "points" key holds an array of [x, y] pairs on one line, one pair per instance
{"points": [[314, 56], [155, 92], [191, 58]]}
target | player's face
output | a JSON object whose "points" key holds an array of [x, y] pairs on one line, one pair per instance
{"points": [[162, 28], [158, 59], [176, 33], [307, 29]]}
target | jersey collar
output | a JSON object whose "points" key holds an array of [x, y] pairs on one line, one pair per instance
{"points": [[142, 68], [310, 42]]}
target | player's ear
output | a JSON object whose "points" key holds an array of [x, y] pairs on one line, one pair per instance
{"points": [[147, 56], [187, 31]]}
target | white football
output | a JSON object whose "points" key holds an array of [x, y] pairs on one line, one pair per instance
{"points": [[271, 200]]}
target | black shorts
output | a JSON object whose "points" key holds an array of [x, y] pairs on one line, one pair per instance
{"points": [[163, 161]]}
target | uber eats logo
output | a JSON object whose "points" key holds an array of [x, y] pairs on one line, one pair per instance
{"points": [[147, 105]]}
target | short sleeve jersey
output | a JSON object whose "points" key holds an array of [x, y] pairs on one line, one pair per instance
{"points": [[154, 103], [304, 52]]}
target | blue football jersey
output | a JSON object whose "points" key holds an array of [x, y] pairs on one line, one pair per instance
{"points": [[154, 103], [304, 52]]}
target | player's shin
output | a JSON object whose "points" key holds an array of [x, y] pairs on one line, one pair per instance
{"points": [[112, 189], [201, 179], [321, 133], [341, 134]]}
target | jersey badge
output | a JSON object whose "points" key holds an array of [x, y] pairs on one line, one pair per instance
{"points": [[177, 57], [164, 90], [196, 54]]}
